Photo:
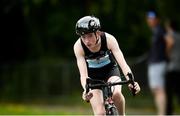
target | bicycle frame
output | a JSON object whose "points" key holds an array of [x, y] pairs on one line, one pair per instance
{"points": [[106, 88], [108, 102]]}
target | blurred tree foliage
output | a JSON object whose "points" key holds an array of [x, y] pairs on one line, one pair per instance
{"points": [[52, 24], [35, 29], [37, 38]]}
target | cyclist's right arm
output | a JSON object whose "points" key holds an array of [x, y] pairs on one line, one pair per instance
{"points": [[81, 63]]}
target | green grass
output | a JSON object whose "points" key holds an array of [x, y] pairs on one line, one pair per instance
{"points": [[34, 109], [141, 104], [71, 105]]}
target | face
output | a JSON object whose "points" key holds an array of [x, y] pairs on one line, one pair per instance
{"points": [[89, 39], [152, 22]]}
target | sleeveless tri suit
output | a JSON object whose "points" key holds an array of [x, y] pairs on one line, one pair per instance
{"points": [[101, 65]]}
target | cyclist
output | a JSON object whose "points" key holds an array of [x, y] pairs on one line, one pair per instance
{"points": [[98, 56]]}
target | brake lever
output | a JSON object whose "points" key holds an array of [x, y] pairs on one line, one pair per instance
{"points": [[131, 77]]}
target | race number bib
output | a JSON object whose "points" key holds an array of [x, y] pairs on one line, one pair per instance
{"points": [[98, 63]]}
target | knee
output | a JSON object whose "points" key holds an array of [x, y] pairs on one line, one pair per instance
{"points": [[118, 96]]}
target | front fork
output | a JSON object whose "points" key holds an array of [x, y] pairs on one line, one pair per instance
{"points": [[108, 102], [108, 105]]}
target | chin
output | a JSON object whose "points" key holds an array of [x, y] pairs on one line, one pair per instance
{"points": [[89, 45]]}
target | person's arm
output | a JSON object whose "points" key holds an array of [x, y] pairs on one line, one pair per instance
{"points": [[114, 47], [169, 44], [81, 63]]}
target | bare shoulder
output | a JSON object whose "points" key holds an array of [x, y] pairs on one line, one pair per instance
{"points": [[77, 47], [76, 44], [109, 36], [111, 40]]}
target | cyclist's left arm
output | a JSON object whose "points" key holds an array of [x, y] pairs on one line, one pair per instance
{"points": [[114, 47]]}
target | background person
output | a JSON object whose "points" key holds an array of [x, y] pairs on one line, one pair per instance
{"points": [[157, 61], [173, 68]]}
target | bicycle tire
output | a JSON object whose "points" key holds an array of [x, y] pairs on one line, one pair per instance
{"points": [[113, 111]]}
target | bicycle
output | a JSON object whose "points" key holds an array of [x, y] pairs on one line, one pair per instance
{"points": [[110, 108]]}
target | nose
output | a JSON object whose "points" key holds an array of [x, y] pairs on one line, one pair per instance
{"points": [[86, 39]]}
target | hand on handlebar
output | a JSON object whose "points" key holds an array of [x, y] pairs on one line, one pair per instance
{"points": [[87, 96], [136, 88]]}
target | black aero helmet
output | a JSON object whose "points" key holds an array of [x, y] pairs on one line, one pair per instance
{"points": [[87, 24]]}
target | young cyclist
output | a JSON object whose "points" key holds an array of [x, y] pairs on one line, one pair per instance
{"points": [[98, 56]]}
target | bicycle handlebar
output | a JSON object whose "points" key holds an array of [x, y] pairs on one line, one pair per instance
{"points": [[103, 84]]}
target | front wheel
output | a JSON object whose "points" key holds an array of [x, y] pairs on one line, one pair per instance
{"points": [[112, 111]]}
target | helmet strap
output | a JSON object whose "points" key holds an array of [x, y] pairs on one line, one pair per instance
{"points": [[97, 39]]}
